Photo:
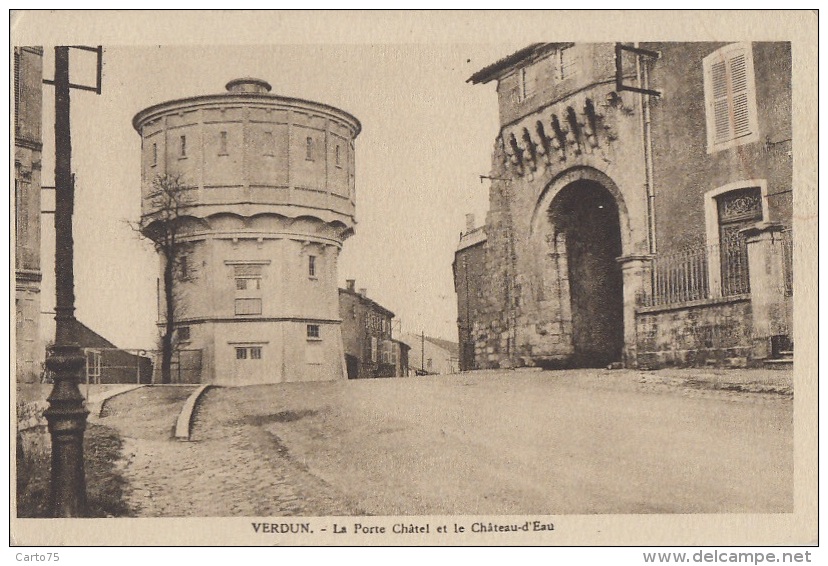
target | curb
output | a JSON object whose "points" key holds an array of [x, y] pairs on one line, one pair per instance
{"points": [[96, 404], [185, 417]]}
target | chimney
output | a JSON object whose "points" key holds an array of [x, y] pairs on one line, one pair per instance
{"points": [[469, 222], [363, 291], [350, 284]]}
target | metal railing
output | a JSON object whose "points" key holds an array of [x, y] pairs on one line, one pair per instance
{"points": [[696, 274]]}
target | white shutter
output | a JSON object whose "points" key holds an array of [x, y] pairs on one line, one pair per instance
{"points": [[739, 95], [730, 97], [721, 109]]}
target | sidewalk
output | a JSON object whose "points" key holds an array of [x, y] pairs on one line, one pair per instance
{"points": [[739, 380]]}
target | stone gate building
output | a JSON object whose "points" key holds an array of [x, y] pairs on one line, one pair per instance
{"points": [[270, 200], [640, 209]]}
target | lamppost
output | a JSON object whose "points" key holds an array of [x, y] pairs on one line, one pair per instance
{"points": [[66, 414]]}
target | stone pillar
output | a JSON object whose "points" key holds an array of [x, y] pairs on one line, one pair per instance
{"points": [[767, 288], [636, 276]]}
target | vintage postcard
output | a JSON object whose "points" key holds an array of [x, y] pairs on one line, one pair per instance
{"points": [[414, 278]]}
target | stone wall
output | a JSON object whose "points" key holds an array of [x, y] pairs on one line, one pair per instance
{"points": [[699, 333]]}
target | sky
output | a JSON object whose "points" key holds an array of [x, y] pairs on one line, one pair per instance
{"points": [[427, 137]]}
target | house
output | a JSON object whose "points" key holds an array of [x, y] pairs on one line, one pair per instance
{"points": [[640, 209], [106, 363], [28, 149], [370, 350], [429, 355]]}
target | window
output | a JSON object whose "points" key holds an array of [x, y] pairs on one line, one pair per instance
{"points": [[222, 143], [730, 97], [248, 283], [527, 82], [567, 62], [312, 266], [248, 352], [154, 154], [313, 331], [309, 149], [183, 267], [183, 147], [338, 157], [184, 334], [374, 349], [248, 306], [268, 144]]}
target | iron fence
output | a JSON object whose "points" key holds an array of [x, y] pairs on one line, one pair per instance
{"points": [[700, 273]]}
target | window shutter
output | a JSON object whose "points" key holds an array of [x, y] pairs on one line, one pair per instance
{"points": [[721, 120], [739, 90], [729, 90]]}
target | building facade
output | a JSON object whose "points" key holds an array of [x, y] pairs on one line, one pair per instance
{"points": [[28, 147], [370, 350], [270, 200], [640, 209], [429, 355]]}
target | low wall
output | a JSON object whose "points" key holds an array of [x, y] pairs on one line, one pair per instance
{"points": [[696, 333]]}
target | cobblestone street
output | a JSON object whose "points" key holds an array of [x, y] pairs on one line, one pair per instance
{"points": [[520, 442]]}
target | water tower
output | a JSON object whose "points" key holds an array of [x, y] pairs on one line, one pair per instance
{"points": [[269, 202]]}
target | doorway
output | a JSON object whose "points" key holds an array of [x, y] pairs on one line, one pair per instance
{"points": [[586, 214]]}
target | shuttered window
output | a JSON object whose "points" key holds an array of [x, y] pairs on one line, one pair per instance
{"points": [[730, 97]]}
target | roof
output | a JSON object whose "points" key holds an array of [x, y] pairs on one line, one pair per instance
{"points": [[472, 238], [501, 67], [370, 302], [451, 347], [85, 337]]}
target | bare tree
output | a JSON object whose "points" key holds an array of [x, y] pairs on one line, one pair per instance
{"points": [[164, 225]]}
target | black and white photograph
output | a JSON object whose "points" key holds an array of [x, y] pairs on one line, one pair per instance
{"points": [[413, 278]]}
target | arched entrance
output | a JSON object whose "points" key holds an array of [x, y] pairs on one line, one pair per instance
{"points": [[585, 220]]}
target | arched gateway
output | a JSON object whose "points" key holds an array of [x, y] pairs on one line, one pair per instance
{"points": [[580, 228]]}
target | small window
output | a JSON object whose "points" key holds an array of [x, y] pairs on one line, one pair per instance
{"points": [[154, 154], [268, 144], [248, 284], [184, 334], [222, 143], [183, 267], [528, 79], [338, 157], [568, 62], [241, 353], [248, 306], [313, 331], [309, 149], [256, 353], [311, 266], [183, 147]]}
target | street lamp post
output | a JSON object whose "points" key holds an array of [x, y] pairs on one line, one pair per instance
{"points": [[66, 414]]}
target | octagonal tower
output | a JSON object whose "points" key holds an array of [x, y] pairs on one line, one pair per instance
{"points": [[269, 201]]}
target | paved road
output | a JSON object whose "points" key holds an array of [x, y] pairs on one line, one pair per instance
{"points": [[233, 468], [481, 443]]}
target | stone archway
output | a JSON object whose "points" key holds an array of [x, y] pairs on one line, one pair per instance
{"points": [[586, 222], [582, 244]]}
